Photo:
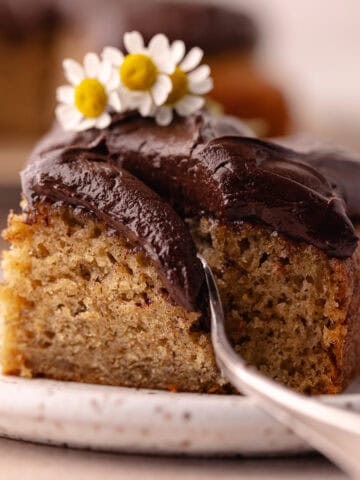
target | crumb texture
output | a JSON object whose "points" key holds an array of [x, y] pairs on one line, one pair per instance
{"points": [[80, 304], [290, 309]]}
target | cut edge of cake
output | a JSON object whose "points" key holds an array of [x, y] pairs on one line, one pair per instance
{"points": [[82, 304]]}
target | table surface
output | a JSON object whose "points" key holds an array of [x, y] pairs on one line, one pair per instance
{"points": [[22, 461]]}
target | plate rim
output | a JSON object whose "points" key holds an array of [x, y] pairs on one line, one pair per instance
{"points": [[123, 419]]}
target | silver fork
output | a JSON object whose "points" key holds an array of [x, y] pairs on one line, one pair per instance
{"points": [[331, 430]]}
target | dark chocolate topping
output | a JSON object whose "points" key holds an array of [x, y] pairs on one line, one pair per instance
{"points": [[341, 167], [192, 165], [81, 177], [343, 171], [198, 170]]}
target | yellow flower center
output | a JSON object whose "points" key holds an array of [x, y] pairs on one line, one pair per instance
{"points": [[90, 97], [138, 72], [179, 86]]}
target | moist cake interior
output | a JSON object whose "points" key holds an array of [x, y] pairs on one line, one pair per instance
{"points": [[102, 283], [83, 305]]}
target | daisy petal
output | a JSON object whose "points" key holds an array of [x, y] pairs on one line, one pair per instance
{"points": [[112, 55], [131, 99], [159, 50], [65, 94], [113, 81], [105, 72], [114, 101], [146, 105], [161, 89], [103, 121], [200, 74], [91, 65], [134, 42], [200, 88], [177, 51], [165, 65], [192, 59], [68, 116], [85, 124], [189, 104], [164, 116], [158, 45], [74, 72]]}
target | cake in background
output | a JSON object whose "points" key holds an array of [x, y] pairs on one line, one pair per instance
{"points": [[28, 75], [27, 59]]}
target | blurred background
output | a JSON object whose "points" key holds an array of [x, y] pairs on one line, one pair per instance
{"points": [[283, 66]]}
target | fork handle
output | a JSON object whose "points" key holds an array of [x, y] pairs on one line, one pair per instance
{"points": [[332, 431]]}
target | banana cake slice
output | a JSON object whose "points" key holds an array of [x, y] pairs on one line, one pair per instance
{"points": [[102, 283]]}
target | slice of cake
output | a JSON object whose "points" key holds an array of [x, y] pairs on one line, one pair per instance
{"points": [[102, 283]]}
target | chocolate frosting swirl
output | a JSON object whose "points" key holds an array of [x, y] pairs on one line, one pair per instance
{"points": [[199, 164], [340, 166], [199, 168], [81, 177]]}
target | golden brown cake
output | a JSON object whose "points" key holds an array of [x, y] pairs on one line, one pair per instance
{"points": [[102, 283]]}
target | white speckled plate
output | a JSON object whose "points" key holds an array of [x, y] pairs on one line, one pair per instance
{"points": [[123, 419]]}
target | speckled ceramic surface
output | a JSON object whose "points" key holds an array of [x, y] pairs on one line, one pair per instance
{"points": [[110, 418]]}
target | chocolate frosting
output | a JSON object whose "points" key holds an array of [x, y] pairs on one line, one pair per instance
{"points": [[342, 169], [199, 164], [82, 177], [198, 168], [340, 166]]}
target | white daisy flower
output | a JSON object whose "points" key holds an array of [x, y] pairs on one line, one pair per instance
{"points": [[93, 89], [144, 71], [189, 82]]}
